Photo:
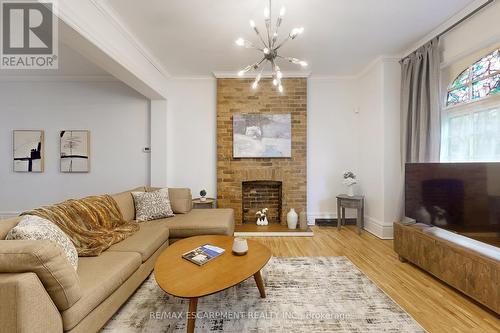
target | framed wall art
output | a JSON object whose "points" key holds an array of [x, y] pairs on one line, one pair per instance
{"points": [[262, 135], [75, 151], [28, 150]]}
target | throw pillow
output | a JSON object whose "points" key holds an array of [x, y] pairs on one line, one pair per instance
{"points": [[36, 228], [152, 205]]}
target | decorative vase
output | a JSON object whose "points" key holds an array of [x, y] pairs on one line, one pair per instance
{"points": [[350, 190], [203, 199], [303, 220], [263, 221], [291, 219]]}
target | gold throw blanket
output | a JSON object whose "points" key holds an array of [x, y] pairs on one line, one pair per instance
{"points": [[93, 223]]}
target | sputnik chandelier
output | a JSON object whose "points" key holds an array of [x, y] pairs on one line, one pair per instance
{"points": [[270, 47]]}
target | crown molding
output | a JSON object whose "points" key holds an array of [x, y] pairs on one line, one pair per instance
{"points": [[266, 74], [444, 26], [377, 60], [57, 78], [115, 19]]}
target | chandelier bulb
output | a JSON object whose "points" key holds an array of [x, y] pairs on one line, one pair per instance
{"points": [[266, 12], [252, 23], [280, 88], [275, 82], [279, 75], [240, 42], [266, 50], [282, 11]]}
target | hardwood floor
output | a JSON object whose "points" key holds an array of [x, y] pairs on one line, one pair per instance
{"points": [[436, 306]]}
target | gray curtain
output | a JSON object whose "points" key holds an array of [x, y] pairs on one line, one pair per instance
{"points": [[420, 107]]}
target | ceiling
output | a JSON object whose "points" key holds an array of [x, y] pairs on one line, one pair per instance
{"points": [[196, 37]]}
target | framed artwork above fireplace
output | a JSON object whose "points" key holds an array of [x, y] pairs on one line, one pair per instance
{"points": [[262, 135]]}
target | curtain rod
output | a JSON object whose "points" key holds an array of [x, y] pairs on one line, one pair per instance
{"points": [[454, 25]]}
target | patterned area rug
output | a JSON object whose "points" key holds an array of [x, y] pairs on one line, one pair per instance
{"points": [[308, 294]]}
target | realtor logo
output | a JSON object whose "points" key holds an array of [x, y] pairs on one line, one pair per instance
{"points": [[29, 35]]}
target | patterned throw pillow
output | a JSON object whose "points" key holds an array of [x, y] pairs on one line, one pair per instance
{"points": [[36, 228], [152, 205]]}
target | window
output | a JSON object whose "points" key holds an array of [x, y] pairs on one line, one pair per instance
{"points": [[480, 80], [471, 118]]}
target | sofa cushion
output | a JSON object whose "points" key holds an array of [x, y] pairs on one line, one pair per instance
{"points": [[125, 203], [100, 277], [181, 200], [152, 205], [6, 225], [34, 227], [48, 262], [199, 222], [145, 242]]}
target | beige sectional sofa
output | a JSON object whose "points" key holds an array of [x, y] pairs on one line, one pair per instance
{"points": [[41, 292]]}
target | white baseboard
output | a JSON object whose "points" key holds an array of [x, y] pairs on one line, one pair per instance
{"points": [[373, 226], [379, 229]]}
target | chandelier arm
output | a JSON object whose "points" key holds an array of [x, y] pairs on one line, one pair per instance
{"points": [[257, 64], [268, 30], [260, 37], [275, 35], [282, 43], [269, 22]]}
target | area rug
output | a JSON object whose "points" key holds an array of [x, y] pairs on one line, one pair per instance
{"points": [[307, 294]]}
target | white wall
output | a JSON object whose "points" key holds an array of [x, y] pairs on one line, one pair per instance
{"points": [[191, 133], [117, 117], [371, 141], [332, 142], [379, 152], [478, 32], [393, 169]]}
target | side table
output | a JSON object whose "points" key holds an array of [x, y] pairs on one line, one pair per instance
{"points": [[207, 204], [356, 202]]}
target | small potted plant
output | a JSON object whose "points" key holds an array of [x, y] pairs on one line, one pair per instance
{"points": [[350, 181], [203, 195]]}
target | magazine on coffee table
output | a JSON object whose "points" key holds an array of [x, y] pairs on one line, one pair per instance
{"points": [[203, 254]]}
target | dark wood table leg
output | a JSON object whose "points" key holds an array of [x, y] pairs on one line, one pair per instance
{"points": [[339, 217], [359, 220], [191, 317], [343, 216], [260, 284]]}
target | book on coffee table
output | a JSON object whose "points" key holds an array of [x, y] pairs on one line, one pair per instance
{"points": [[203, 254]]}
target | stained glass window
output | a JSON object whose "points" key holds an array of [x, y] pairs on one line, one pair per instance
{"points": [[480, 80]]}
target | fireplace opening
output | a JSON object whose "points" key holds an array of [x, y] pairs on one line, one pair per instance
{"points": [[261, 194]]}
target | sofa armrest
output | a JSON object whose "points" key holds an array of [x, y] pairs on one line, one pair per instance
{"points": [[25, 305], [48, 262]]}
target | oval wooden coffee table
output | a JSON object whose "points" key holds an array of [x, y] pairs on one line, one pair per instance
{"points": [[181, 278]]}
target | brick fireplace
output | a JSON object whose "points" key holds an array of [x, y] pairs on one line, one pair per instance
{"points": [[258, 195], [235, 96]]}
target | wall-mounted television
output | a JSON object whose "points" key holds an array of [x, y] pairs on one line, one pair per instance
{"points": [[460, 197]]}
